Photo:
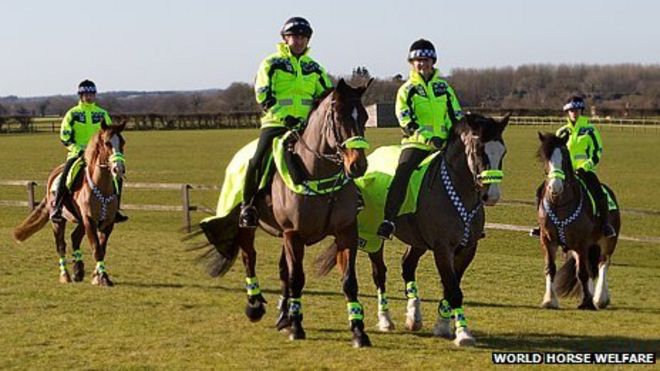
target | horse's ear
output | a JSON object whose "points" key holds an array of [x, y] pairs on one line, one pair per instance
{"points": [[120, 127], [341, 86], [364, 88], [104, 125], [541, 136], [505, 120]]}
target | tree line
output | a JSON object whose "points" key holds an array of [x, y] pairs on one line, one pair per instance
{"points": [[530, 88]]}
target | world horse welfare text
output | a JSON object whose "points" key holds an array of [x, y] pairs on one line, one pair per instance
{"points": [[572, 358]]}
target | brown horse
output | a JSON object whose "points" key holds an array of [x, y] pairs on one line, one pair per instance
{"points": [[567, 219], [449, 221], [331, 148], [91, 207]]}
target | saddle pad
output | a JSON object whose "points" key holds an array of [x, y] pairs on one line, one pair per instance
{"points": [[74, 172]]}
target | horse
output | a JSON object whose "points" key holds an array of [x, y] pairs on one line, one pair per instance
{"points": [[449, 220], [567, 218], [331, 151], [91, 207]]}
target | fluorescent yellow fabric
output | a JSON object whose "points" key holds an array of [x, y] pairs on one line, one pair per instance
{"points": [[79, 125]]}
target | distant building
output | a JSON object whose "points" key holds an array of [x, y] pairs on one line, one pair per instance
{"points": [[381, 115]]}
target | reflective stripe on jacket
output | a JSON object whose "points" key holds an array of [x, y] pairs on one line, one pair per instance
{"points": [[79, 125]]}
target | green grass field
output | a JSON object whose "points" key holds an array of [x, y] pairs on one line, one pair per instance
{"points": [[164, 312]]}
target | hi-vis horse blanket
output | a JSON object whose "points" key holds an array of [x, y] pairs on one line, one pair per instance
{"points": [[374, 185]]}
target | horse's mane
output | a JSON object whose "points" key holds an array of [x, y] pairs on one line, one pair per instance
{"points": [[320, 99]]}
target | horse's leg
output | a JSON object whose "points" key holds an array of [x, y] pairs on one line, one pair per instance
{"points": [[550, 297], [283, 321], [462, 259], [379, 275], [60, 244], [78, 265], [409, 264], [255, 308], [347, 243], [444, 262], [601, 294], [584, 277], [295, 252], [102, 276], [91, 231]]}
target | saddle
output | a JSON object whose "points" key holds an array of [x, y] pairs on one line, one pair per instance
{"points": [[73, 177], [612, 204]]}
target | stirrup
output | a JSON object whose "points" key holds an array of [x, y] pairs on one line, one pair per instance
{"points": [[386, 230], [248, 217], [535, 232]]}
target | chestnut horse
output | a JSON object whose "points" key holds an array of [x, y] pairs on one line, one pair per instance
{"points": [[91, 207], [567, 218], [332, 148]]}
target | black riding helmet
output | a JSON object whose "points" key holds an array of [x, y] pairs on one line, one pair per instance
{"points": [[296, 26], [86, 86], [422, 49], [575, 102]]}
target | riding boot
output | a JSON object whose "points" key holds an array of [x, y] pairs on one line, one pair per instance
{"points": [[120, 217], [295, 166], [536, 231], [61, 192]]}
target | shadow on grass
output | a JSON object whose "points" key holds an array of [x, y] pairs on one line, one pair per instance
{"points": [[563, 342]]}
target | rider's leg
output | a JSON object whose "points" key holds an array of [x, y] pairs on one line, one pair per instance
{"points": [[409, 159], [248, 217], [600, 198], [56, 211]]}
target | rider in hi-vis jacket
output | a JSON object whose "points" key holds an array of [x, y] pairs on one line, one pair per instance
{"points": [[586, 149], [288, 82], [78, 127], [427, 108]]}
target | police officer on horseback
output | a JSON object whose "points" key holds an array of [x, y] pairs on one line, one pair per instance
{"points": [[586, 149], [287, 84], [78, 127], [427, 108]]}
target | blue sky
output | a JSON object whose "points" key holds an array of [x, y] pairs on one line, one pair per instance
{"points": [[49, 46]]}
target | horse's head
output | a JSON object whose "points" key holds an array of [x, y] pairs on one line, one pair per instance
{"points": [[485, 149], [556, 162], [107, 149], [346, 117]]}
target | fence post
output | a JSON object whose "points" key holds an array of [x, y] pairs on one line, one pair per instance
{"points": [[30, 192], [185, 198]]}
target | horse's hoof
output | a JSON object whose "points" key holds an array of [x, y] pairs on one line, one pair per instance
{"points": [[412, 325], [361, 340], [385, 323], [102, 280], [464, 338], [552, 304], [255, 311], [297, 334], [78, 271], [587, 306], [65, 277], [442, 329]]}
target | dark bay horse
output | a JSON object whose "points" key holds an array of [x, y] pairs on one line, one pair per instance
{"points": [[331, 147], [567, 218], [91, 207], [449, 221]]}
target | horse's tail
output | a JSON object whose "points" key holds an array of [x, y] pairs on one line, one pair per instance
{"points": [[326, 260], [567, 283], [33, 223], [221, 248]]}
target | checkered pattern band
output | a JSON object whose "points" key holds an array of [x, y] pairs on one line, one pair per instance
{"points": [[422, 53], [574, 105], [561, 225], [466, 216], [87, 89]]}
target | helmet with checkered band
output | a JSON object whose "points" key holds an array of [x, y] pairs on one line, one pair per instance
{"points": [[86, 86], [575, 102], [422, 49]]}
